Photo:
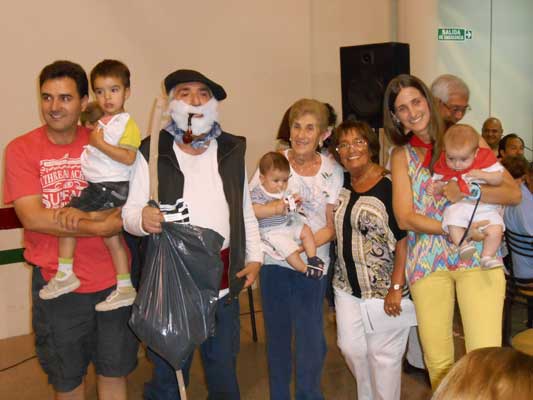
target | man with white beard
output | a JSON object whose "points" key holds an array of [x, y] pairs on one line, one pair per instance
{"points": [[203, 167]]}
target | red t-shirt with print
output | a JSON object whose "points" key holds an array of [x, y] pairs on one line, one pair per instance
{"points": [[36, 166]]}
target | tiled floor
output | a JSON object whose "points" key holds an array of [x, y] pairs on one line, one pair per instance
{"points": [[27, 381]]}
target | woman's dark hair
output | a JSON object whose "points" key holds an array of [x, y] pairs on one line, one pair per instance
{"points": [[364, 130], [332, 122], [517, 166], [284, 130], [66, 69], [394, 128], [332, 115]]}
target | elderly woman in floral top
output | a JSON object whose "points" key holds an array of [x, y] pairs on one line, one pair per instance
{"points": [[292, 301]]}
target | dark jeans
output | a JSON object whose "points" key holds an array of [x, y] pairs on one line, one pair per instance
{"points": [[292, 305], [219, 357], [101, 196], [69, 334]]}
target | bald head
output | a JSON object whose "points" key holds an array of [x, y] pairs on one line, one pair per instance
{"points": [[492, 131]]}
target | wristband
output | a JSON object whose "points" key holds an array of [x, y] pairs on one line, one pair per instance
{"points": [[475, 192], [395, 286]]}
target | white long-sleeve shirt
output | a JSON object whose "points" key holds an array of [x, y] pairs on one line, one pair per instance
{"points": [[203, 193]]}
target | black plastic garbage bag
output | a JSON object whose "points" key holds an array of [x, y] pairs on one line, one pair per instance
{"points": [[175, 307]]}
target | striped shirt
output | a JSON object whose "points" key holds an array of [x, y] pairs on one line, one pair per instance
{"points": [[259, 196]]}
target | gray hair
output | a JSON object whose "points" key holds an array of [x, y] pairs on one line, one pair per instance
{"points": [[446, 84]]}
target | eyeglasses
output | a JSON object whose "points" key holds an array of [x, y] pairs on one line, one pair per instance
{"points": [[457, 109], [357, 144]]}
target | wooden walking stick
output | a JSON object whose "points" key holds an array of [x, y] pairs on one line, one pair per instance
{"points": [[155, 127], [181, 385]]}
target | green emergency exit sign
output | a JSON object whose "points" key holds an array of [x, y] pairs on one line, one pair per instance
{"points": [[454, 34]]}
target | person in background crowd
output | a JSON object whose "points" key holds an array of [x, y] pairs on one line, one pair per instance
{"points": [[519, 218], [452, 95], [492, 131], [511, 145]]}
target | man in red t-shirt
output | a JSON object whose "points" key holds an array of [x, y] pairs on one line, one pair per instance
{"points": [[42, 173]]}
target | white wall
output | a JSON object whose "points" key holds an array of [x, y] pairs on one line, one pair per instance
{"points": [[497, 69], [265, 54], [512, 67], [339, 23]]}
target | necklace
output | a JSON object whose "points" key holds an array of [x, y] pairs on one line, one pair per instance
{"points": [[366, 180], [304, 166]]}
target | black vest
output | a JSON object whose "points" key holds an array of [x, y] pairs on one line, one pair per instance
{"points": [[231, 167]]}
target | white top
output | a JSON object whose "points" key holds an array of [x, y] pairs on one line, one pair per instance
{"points": [[496, 167], [203, 194], [98, 166], [316, 192], [203, 191]]}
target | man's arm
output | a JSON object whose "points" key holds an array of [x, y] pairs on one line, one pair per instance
{"points": [[35, 217], [254, 255], [507, 193], [139, 219], [493, 178]]}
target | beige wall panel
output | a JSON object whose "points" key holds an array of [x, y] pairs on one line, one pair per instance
{"points": [[265, 54]]}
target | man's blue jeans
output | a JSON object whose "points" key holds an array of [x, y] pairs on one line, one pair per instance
{"points": [[292, 304], [219, 357]]}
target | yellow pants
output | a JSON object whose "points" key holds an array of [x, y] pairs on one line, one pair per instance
{"points": [[480, 295]]}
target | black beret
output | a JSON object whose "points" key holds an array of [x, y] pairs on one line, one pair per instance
{"points": [[189, 75]]}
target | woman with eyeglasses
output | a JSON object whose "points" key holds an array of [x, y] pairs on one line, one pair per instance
{"points": [[370, 265], [292, 301], [434, 271]]}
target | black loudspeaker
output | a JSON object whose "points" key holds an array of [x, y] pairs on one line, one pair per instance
{"points": [[365, 73]]}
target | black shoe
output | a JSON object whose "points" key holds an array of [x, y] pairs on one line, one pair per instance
{"points": [[411, 369], [415, 371]]}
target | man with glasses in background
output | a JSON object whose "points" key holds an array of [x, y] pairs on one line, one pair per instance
{"points": [[453, 95]]}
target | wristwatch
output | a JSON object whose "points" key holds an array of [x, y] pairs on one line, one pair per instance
{"points": [[396, 286]]}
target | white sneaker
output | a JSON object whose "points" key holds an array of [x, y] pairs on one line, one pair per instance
{"points": [[121, 297], [491, 262], [466, 251], [57, 287]]}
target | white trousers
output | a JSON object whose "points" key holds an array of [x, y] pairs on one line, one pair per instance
{"points": [[374, 359]]}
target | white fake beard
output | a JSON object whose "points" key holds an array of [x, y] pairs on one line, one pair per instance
{"points": [[179, 111]]}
